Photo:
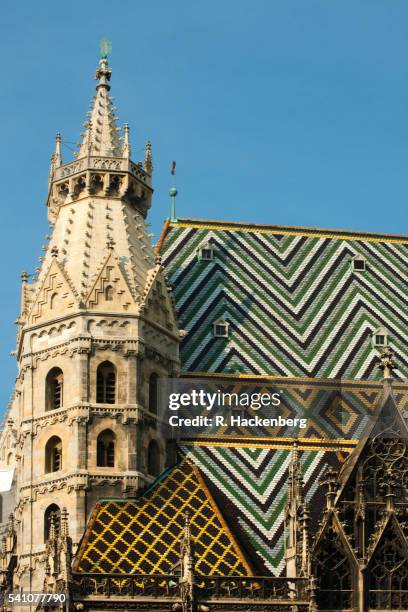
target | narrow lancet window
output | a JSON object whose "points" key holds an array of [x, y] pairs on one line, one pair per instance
{"points": [[53, 455], [105, 449], [54, 389], [106, 383]]}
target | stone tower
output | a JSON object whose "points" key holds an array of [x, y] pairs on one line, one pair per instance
{"points": [[96, 331]]}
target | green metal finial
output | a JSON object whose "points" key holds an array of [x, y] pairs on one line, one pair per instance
{"points": [[173, 192], [105, 47]]}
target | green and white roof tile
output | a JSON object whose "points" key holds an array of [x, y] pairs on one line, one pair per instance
{"points": [[250, 486], [294, 303], [296, 311]]}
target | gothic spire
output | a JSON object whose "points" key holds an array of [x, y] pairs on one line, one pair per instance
{"points": [[101, 196], [100, 137], [293, 515], [148, 163], [187, 567], [295, 479], [57, 157], [126, 142]]}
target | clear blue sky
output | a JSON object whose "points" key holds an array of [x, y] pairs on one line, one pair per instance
{"points": [[277, 111]]}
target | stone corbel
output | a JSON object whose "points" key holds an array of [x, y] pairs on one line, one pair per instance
{"points": [[106, 414], [109, 346], [25, 433], [28, 366], [130, 485], [84, 344], [22, 570], [82, 418], [130, 349], [129, 415]]}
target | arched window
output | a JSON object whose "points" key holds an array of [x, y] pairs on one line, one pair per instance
{"points": [[53, 455], [52, 517], [1, 508], [9, 458], [109, 291], [105, 449], [153, 459], [153, 393], [105, 383], [388, 571], [54, 389], [334, 573]]}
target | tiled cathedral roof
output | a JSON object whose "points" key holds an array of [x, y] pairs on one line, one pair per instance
{"points": [[234, 487], [294, 304], [250, 485], [299, 316], [334, 409], [143, 536], [235, 495]]}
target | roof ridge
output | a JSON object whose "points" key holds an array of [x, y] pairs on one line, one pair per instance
{"points": [[287, 228]]}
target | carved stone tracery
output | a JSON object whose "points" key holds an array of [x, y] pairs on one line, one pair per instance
{"points": [[370, 514]]}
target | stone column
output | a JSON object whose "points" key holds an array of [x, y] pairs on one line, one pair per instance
{"points": [[80, 430], [132, 372], [78, 524], [140, 455], [132, 444], [139, 380], [82, 369]]}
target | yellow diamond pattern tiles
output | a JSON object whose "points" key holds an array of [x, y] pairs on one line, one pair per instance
{"points": [[143, 536]]}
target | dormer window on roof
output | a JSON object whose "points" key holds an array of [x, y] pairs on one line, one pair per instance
{"points": [[359, 263], [205, 252], [221, 328], [380, 338]]}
